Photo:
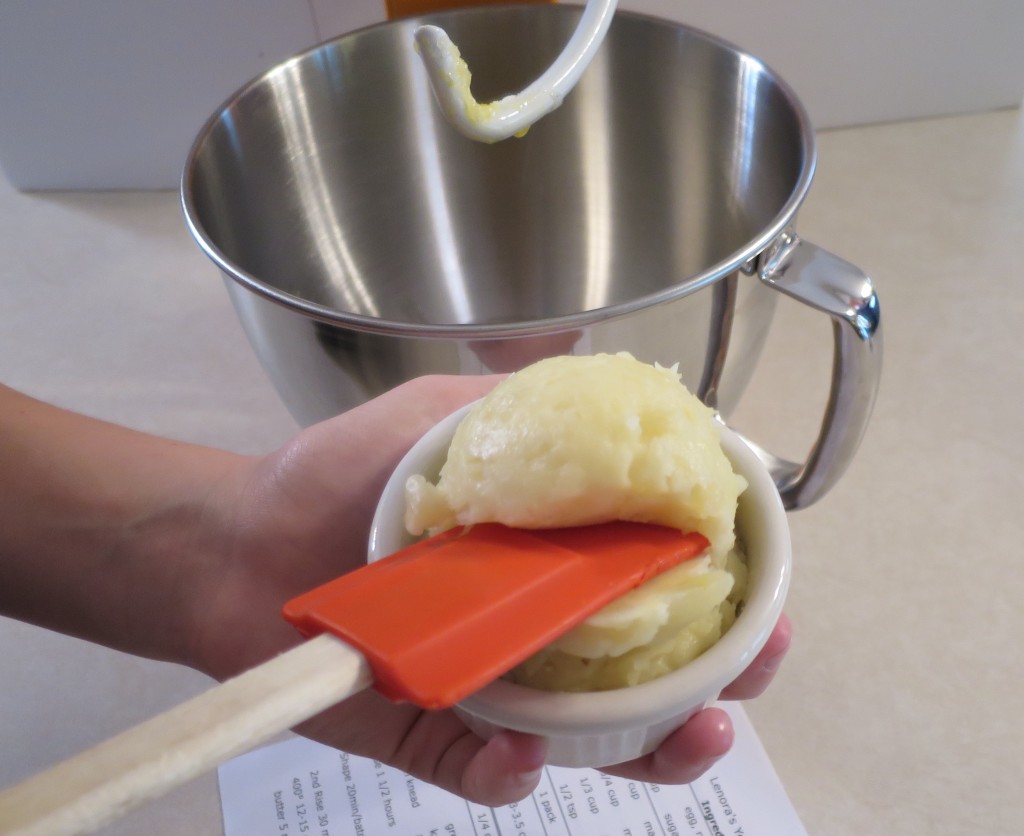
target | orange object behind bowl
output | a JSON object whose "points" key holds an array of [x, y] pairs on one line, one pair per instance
{"points": [[407, 8]]}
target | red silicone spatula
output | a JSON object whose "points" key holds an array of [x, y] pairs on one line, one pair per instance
{"points": [[430, 624], [440, 619]]}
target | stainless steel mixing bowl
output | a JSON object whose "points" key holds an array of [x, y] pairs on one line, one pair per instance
{"points": [[364, 242]]}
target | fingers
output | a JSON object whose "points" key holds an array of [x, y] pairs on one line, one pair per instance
{"points": [[686, 754], [507, 768], [436, 747], [759, 674]]}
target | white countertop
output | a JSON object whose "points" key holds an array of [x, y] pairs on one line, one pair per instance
{"points": [[898, 709]]}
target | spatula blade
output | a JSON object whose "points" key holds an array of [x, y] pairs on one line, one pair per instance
{"points": [[444, 617]]}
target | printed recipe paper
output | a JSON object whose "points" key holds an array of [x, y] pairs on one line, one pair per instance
{"points": [[300, 787]]}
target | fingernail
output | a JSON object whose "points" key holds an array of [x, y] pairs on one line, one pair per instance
{"points": [[523, 783], [704, 767], [773, 663], [531, 776]]}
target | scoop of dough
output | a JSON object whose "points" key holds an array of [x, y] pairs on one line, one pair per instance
{"points": [[581, 440]]}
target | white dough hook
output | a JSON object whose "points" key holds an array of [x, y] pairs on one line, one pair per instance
{"points": [[512, 115]]}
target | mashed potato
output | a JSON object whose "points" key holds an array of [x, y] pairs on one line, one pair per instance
{"points": [[582, 440]]}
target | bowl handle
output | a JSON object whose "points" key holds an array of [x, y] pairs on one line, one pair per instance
{"points": [[827, 283]]}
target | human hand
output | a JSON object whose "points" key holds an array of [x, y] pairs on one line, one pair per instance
{"points": [[300, 517]]}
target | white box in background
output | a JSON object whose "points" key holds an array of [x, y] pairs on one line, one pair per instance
{"points": [[108, 94]]}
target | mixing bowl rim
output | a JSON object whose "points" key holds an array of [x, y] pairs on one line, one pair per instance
{"points": [[740, 258]]}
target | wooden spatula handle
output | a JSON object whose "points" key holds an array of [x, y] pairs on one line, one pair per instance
{"points": [[89, 790]]}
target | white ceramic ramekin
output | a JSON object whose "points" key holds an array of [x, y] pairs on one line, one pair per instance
{"points": [[607, 727]]}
